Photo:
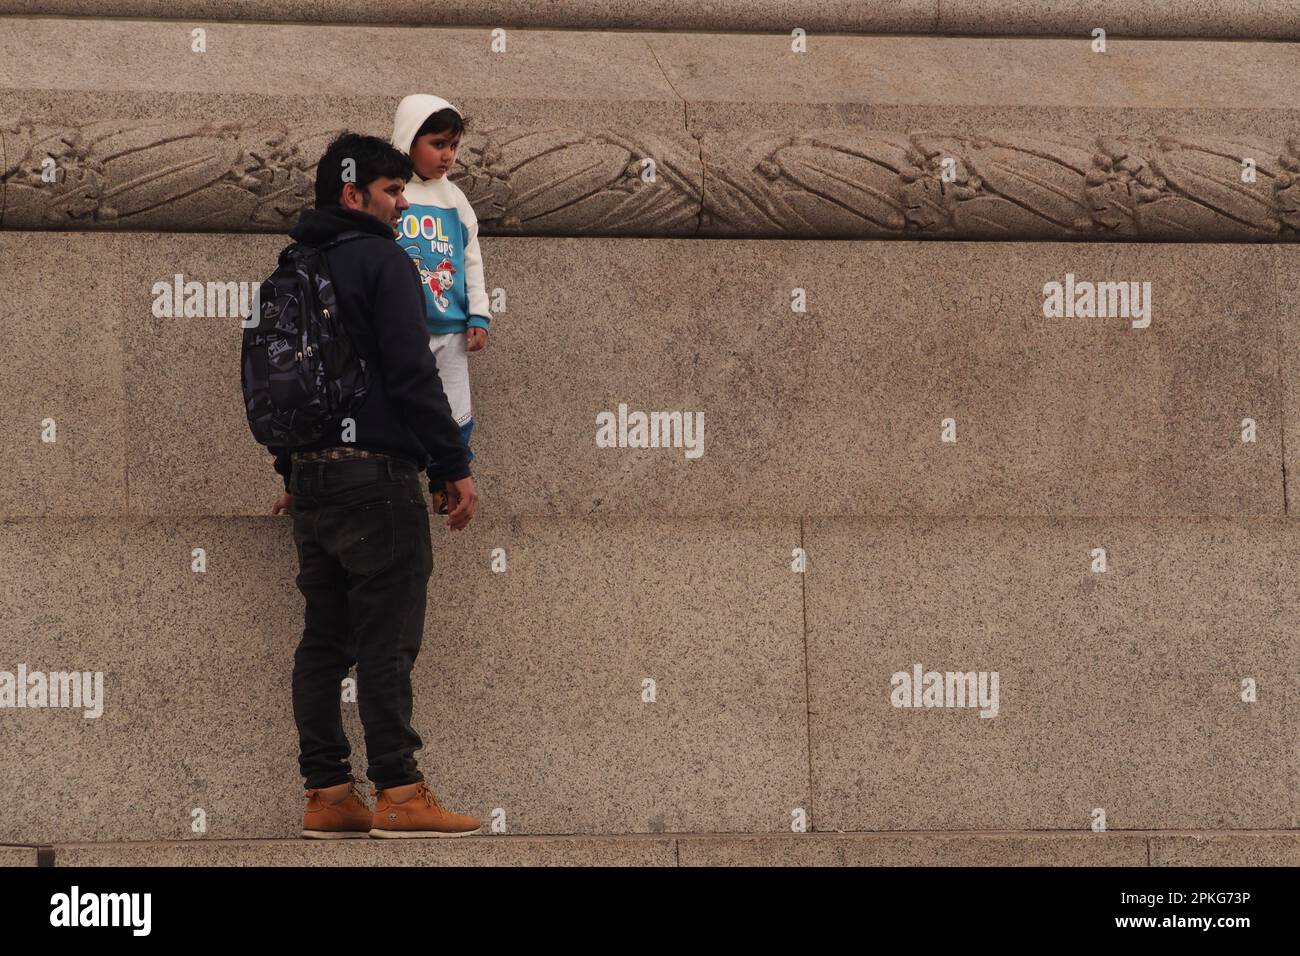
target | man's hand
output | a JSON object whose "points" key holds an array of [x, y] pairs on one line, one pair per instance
{"points": [[282, 504], [475, 338], [461, 499]]}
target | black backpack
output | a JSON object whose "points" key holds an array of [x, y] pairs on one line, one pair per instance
{"points": [[300, 371]]}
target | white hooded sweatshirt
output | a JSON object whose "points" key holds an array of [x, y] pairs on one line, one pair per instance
{"points": [[440, 234]]}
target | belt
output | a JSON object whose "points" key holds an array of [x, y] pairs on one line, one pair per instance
{"points": [[340, 454]]}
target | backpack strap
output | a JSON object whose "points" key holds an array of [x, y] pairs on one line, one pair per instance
{"points": [[343, 237]]}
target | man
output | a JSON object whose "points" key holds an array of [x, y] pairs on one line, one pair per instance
{"points": [[360, 520]]}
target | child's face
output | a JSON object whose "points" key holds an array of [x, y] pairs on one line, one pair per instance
{"points": [[433, 153]]}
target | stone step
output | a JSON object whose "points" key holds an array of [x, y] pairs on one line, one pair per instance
{"points": [[588, 133], [679, 675], [1274, 19], [11, 856], [839, 410], [987, 848]]}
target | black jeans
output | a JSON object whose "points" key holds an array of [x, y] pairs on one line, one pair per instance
{"points": [[364, 558]]}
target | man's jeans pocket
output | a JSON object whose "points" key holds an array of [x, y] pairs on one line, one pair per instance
{"points": [[364, 537]]}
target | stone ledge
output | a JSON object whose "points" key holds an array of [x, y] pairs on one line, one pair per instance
{"points": [[17, 856], [462, 851], [988, 848], [649, 76], [1272, 19], [1264, 848]]}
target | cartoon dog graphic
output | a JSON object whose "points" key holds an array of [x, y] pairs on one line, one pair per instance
{"points": [[439, 280]]}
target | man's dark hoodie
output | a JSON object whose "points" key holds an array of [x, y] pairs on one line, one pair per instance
{"points": [[405, 413]]}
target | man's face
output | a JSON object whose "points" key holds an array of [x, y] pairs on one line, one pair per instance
{"points": [[383, 199], [433, 153]]}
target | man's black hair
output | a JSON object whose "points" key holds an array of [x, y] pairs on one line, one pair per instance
{"points": [[374, 158], [443, 121]]}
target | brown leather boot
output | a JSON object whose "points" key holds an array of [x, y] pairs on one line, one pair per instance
{"points": [[413, 810], [337, 813]]}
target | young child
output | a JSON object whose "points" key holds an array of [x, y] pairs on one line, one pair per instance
{"points": [[440, 233]]}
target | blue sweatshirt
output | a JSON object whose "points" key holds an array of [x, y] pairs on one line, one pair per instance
{"points": [[440, 234]]}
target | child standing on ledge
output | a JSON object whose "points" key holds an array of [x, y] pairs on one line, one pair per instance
{"points": [[440, 233]]}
